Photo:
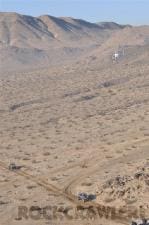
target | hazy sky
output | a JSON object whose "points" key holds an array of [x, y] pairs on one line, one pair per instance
{"points": [[121, 11]]}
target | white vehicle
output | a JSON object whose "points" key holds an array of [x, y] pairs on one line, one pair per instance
{"points": [[118, 54], [115, 56]]}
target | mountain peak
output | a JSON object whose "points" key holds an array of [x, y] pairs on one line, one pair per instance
{"points": [[112, 25]]}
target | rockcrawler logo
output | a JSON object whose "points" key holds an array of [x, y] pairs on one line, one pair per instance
{"points": [[79, 212]]}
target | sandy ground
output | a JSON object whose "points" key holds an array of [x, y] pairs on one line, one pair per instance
{"points": [[72, 129]]}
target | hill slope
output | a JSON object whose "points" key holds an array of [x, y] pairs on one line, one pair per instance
{"points": [[46, 40]]}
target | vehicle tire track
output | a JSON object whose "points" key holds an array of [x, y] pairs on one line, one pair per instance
{"points": [[69, 196], [80, 176], [94, 156], [39, 182], [67, 191], [94, 167]]}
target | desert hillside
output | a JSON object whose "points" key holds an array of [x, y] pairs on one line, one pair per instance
{"points": [[45, 31], [80, 125], [37, 42]]}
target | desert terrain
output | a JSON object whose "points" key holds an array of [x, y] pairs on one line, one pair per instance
{"points": [[73, 120]]}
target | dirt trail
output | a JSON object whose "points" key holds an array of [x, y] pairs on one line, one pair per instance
{"points": [[95, 165], [67, 192], [133, 156], [38, 181], [49, 187], [95, 155]]}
